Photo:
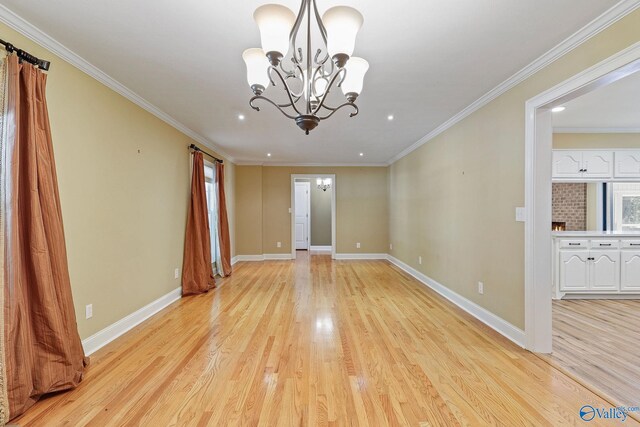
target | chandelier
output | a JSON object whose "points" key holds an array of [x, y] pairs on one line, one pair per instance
{"points": [[323, 184], [309, 78]]}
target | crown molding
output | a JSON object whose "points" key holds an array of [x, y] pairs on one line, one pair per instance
{"points": [[603, 21], [321, 165], [33, 33], [596, 130]]}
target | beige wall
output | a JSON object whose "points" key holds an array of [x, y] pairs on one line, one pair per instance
{"points": [[124, 186], [361, 208], [596, 140], [320, 215], [453, 200]]}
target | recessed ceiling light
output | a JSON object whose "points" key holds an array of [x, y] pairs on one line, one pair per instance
{"points": [[268, 154], [240, 116], [558, 109], [390, 117], [361, 154]]}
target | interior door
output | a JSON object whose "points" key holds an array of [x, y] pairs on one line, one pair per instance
{"points": [[302, 203]]}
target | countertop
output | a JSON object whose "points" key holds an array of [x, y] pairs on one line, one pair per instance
{"points": [[574, 234]]}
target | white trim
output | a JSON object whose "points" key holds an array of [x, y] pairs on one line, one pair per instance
{"points": [[28, 30], [601, 296], [321, 248], [596, 130], [234, 260], [249, 258], [113, 331], [293, 164], [603, 21], [271, 257], [292, 209], [485, 316], [361, 256], [538, 277]]}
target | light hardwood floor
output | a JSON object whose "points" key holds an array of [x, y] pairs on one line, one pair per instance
{"points": [[598, 341], [316, 342]]}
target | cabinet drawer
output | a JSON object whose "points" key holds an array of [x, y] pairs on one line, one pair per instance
{"points": [[631, 244], [574, 244], [605, 244]]}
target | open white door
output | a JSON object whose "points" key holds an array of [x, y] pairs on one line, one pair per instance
{"points": [[302, 201]]}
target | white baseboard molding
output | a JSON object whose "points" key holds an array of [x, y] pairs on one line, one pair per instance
{"points": [[321, 248], [234, 260], [249, 258], [361, 256], [270, 257], [601, 296], [485, 316], [113, 331]]}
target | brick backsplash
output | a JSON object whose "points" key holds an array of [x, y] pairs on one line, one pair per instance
{"points": [[570, 205]]}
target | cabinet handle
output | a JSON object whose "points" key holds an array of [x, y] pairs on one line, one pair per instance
{"points": [[591, 259], [605, 244], [574, 244], [634, 244]]}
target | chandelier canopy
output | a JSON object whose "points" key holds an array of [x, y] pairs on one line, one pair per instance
{"points": [[310, 77]]}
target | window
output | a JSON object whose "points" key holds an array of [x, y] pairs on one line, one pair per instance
{"points": [[212, 206], [626, 206]]}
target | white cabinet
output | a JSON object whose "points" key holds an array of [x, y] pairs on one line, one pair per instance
{"points": [[582, 164], [567, 164], [627, 164], [574, 270], [604, 270], [630, 270], [597, 164]]}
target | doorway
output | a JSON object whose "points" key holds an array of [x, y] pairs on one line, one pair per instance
{"points": [[313, 213]]}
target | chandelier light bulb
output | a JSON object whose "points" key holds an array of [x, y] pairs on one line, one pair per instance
{"points": [[354, 80], [274, 22], [257, 69], [342, 24]]}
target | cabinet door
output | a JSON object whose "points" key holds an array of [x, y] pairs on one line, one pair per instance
{"points": [[567, 164], [597, 164], [574, 270], [627, 164], [630, 271], [605, 270]]}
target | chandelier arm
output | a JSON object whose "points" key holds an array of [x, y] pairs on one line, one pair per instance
{"points": [[346, 104], [290, 94], [326, 57], [341, 72], [323, 30], [296, 26], [264, 98], [287, 72]]}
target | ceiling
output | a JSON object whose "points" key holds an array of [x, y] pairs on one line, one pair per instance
{"points": [[611, 108], [429, 60]]}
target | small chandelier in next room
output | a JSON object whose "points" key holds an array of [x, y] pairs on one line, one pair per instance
{"points": [[323, 184], [310, 75]]}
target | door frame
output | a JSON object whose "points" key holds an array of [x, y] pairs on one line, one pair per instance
{"points": [[308, 185], [538, 145], [292, 210]]}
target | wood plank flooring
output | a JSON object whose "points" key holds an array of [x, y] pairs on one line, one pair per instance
{"points": [[598, 341], [316, 342]]}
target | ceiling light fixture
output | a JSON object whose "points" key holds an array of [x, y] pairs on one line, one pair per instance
{"points": [[311, 76], [240, 116], [268, 154], [390, 117], [558, 109], [361, 154], [323, 184]]}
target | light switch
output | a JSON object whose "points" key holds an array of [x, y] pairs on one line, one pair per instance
{"points": [[521, 214]]}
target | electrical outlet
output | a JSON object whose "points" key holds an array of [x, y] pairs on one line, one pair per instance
{"points": [[176, 273], [521, 215], [279, 244], [390, 246], [420, 260], [480, 288], [358, 245], [88, 311]]}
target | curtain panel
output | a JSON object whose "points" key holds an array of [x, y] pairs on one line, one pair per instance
{"points": [[42, 348], [223, 223], [197, 272]]}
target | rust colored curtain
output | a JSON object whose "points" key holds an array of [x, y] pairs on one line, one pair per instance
{"points": [[223, 222], [197, 272], [43, 351]]}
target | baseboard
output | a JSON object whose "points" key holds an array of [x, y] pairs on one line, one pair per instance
{"points": [[321, 248], [113, 331], [269, 257], [234, 260], [361, 256], [485, 316], [600, 296]]}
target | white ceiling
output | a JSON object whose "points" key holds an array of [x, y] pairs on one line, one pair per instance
{"points": [[429, 59], [611, 108]]}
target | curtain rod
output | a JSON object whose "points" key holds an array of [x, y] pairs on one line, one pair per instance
{"points": [[25, 56], [196, 148]]}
